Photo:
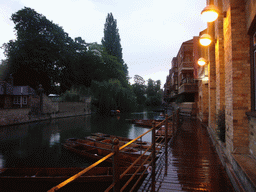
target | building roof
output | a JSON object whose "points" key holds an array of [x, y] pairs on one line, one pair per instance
{"points": [[23, 90]]}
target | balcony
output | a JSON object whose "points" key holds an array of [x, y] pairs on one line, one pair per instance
{"points": [[186, 66], [188, 85]]}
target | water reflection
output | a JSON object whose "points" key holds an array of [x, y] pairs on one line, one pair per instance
{"points": [[135, 132], [55, 138], [1, 161], [38, 144]]}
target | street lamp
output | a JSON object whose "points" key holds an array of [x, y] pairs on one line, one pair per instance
{"points": [[205, 40], [210, 13], [202, 61]]}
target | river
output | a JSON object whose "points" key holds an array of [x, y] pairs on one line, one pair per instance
{"points": [[38, 144]]}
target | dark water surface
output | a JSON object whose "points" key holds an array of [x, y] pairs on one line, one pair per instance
{"points": [[39, 144]]}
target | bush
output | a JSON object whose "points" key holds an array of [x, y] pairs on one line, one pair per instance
{"points": [[70, 97], [221, 126]]}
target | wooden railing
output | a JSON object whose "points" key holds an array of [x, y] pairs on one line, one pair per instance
{"points": [[149, 166]]}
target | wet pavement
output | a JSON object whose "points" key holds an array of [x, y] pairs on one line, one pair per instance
{"points": [[193, 164]]}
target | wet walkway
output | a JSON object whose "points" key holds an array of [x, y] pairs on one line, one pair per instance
{"points": [[193, 164]]}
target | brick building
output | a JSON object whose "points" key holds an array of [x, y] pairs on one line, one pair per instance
{"points": [[16, 96], [228, 86], [181, 86]]}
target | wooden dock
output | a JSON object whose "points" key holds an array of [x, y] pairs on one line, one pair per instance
{"points": [[193, 164]]}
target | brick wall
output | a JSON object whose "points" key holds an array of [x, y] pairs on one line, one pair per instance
{"points": [[212, 80], [219, 60], [237, 78], [203, 102]]}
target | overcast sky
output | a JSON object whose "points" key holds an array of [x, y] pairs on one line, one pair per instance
{"points": [[151, 31]]}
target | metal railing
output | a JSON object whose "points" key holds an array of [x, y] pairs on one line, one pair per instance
{"points": [[146, 163]]}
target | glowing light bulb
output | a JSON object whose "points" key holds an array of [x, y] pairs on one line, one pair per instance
{"points": [[205, 40], [201, 61], [210, 13]]}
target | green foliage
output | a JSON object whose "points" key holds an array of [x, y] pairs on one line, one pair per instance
{"points": [[76, 93], [154, 93], [139, 89], [4, 70], [41, 50], [111, 41], [44, 54], [111, 95], [221, 125]]}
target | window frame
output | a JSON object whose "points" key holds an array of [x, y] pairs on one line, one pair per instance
{"points": [[24, 100], [16, 100]]}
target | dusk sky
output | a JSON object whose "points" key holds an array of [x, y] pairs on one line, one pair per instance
{"points": [[151, 31]]}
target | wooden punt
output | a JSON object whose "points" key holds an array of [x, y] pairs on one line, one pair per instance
{"points": [[136, 145], [43, 179], [103, 135], [105, 144], [146, 122], [96, 152]]}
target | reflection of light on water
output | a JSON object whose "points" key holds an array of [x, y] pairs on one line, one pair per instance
{"points": [[55, 138], [135, 132], [1, 161]]}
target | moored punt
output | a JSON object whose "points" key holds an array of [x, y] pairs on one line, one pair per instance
{"points": [[122, 140], [103, 135], [146, 122], [43, 179], [107, 144], [108, 140], [96, 153]]}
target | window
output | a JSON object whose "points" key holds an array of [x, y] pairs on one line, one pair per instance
{"points": [[25, 100], [16, 100]]}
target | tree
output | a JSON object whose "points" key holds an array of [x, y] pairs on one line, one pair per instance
{"points": [[111, 41], [139, 80], [41, 52], [154, 93], [4, 70], [151, 88], [139, 89], [110, 95]]}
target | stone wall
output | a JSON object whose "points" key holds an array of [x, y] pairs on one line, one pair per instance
{"points": [[50, 110], [13, 116], [49, 106]]}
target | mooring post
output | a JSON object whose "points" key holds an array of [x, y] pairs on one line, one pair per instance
{"points": [[116, 173], [166, 142], [153, 156]]}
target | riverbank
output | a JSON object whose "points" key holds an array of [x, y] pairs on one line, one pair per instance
{"points": [[23, 115], [21, 118]]}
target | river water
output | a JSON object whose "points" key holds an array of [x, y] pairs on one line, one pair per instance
{"points": [[38, 144]]}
